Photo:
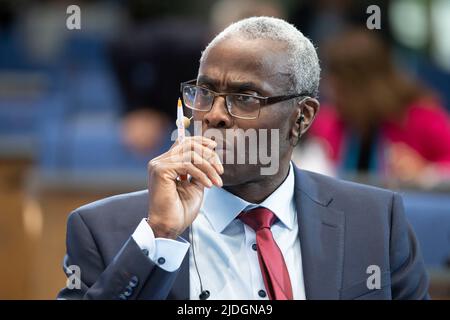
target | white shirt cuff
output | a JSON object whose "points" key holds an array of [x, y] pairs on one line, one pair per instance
{"points": [[166, 253]]}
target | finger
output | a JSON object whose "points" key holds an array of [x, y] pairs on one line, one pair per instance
{"points": [[209, 155], [198, 176], [188, 141], [205, 166], [207, 142], [196, 182], [188, 168]]}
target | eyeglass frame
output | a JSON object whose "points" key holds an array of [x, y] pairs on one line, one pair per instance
{"points": [[264, 101]]}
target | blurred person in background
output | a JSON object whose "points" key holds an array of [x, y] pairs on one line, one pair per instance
{"points": [[380, 121], [150, 62], [153, 57]]}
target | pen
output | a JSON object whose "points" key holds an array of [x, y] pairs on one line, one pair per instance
{"points": [[180, 122], [180, 129]]}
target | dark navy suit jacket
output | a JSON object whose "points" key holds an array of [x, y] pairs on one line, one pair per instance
{"points": [[344, 227]]}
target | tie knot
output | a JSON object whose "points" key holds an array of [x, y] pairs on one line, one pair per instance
{"points": [[258, 218]]}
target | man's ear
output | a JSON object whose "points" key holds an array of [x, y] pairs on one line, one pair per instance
{"points": [[307, 109], [310, 108]]}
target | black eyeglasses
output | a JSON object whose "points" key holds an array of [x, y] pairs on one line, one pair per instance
{"points": [[239, 105]]}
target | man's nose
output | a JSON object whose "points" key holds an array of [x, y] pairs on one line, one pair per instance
{"points": [[218, 116]]}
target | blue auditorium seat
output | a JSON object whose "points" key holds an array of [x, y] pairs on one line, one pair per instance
{"points": [[91, 142], [429, 215]]}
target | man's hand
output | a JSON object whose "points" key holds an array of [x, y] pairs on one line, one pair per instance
{"points": [[174, 204]]}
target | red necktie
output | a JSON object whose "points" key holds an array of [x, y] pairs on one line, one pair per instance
{"points": [[271, 261]]}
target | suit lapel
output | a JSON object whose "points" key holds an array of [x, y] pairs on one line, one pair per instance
{"points": [[321, 232], [180, 289]]}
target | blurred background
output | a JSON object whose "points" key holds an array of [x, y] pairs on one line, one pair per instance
{"points": [[83, 111]]}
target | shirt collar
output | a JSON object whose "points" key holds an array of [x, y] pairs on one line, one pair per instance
{"points": [[222, 207]]}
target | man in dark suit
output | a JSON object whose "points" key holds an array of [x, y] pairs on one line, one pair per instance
{"points": [[234, 230]]}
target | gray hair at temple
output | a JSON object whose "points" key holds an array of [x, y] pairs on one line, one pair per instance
{"points": [[302, 64]]}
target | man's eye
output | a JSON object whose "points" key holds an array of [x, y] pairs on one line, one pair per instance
{"points": [[245, 99], [203, 92]]}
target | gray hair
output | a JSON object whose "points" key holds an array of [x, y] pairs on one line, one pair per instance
{"points": [[302, 64]]}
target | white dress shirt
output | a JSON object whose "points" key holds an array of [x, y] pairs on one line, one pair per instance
{"points": [[227, 263]]}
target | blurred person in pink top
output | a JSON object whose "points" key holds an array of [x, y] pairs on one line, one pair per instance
{"points": [[379, 120]]}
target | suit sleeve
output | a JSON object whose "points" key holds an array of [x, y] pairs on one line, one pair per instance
{"points": [[128, 276], [409, 279]]}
